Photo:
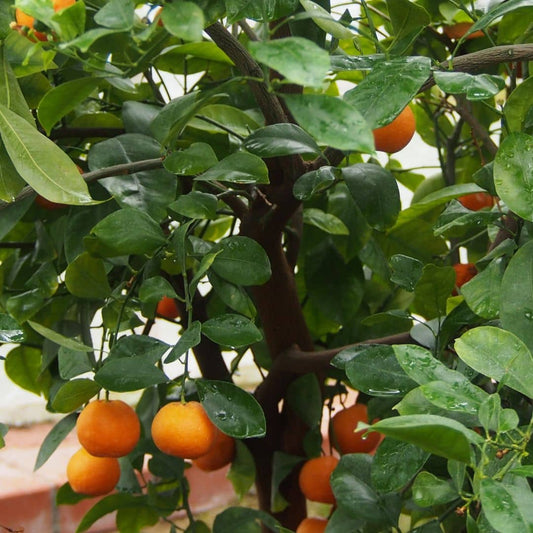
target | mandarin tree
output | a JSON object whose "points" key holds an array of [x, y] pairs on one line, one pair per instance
{"points": [[232, 167]]}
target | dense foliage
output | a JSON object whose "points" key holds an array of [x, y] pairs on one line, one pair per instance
{"points": [[220, 153]]}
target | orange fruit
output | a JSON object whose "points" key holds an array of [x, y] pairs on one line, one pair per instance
{"points": [[312, 525], [108, 428], [183, 430], [476, 200], [463, 272], [397, 134], [26, 20], [345, 438], [457, 30], [23, 19], [167, 308], [221, 453], [91, 475], [62, 4], [314, 478]]}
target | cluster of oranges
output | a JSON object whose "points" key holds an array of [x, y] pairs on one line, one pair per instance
{"points": [[109, 429], [314, 477]]}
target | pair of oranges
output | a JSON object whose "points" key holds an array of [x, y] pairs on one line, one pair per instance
{"points": [[108, 429]]}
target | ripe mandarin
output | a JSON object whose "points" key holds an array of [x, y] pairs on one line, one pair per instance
{"points": [[314, 478], [167, 308], [457, 30], [183, 430], [463, 272], [221, 453], [397, 134], [91, 475], [312, 525], [345, 438], [476, 200], [26, 20], [108, 428]]}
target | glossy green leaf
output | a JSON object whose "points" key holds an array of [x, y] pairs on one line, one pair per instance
{"points": [[517, 105], [456, 220], [155, 288], [512, 173], [315, 181], [325, 21], [261, 10], [116, 14], [63, 99], [282, 465], [231, 330], [242, 470], [325, 221], [233, 410], [54, 438], [234, 296], [190, 338], [508, 508], [395, 464], [239, 167], [197, 158], [375, 192], [243, 519], [138, 516], [429, 490], [516, 305], [388, 88], [86, 277], [10, 181], [147, 348], [433, 289], [10, 330], [24, 58], [184, 20], [498, 354], [42, 164], [408, 21], [374, 370], [73, 394], [242, 261], [435, 434], [297, 59], [126, 231], [332, 121], [69, 22], [59, 339], [137, 116], [494, 418], [72, 363], [476, 87], [23, 306], [126, 374], [280, 139], [196, 204], [305, 398], [148, 190], [461, 396], [496, 12], [23, 367], [406, 271]]}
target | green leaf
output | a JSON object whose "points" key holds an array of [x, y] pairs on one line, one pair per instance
{"points": [[260, 10], [375, 192], [23, 367], [388, 88], [494, 418], [42, 164], [231, 330], [498, 354], [395, 464], [197, 205], [512, 173], [332, 121], [518, 104], [433, 289], [408, 21], [197, 158], [462, 396], [244, 520], [10, 331], [311, 183], [59, 339], [242, 470], [234, 296], [124, 232], [429, 490], [148, 349], [282, 465], [72, 363], [507, 508], [476, 87], [184, 20], [239, 167], [73, 394], [305, 399], [324, 221], [138, 516], [496, 12], [435, 434], [190, 338], [116, 14], [406, 271], [516, 301], [233, 410], [148, 190], [86, 277], [10, 181], [54, 438], [242, 261], [374, 370], [64, 98], [126, 374], [280, 139], [325, 21], [297, 59]]}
